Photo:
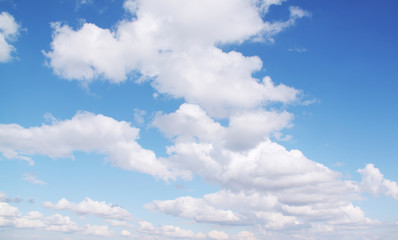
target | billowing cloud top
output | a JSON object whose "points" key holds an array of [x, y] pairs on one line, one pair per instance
{"points": [[173, 44]]}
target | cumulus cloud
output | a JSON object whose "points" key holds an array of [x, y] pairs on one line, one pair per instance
{"points": [[85, 132], [96, 230], [263, 184], [11, 217], [218, 235], [125, 233], [245, 129], [89, 206], [168, 231], [373, 182], [6, 210], [173, 44], [9, 30], [188, 207], [245, 235]]}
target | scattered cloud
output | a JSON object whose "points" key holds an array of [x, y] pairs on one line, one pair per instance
{"points": [[32, 178], [11, 217], [270, 29], [298, 49], [89, 206], [139, 116], [9, 30]]}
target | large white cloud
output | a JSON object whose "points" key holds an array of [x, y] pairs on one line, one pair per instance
{"points": [[173, 43], [85, 132], [9, 30], [262, 183], [89, 206]]}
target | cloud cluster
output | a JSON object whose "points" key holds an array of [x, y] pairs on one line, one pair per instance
{"points": [[168, 231], [174, 45], [85, 132], [11, 217], [9, 30], [89, 206], [262, 183], [177, 46], [173, 232]]}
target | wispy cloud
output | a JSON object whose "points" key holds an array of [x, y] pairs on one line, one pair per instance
{"points": [[33, 179]]}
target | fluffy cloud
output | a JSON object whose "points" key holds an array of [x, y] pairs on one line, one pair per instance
{"points": [[7, 210], [262, 183], [198, 209], [95, 230], [125, 233], [89, 206], [245, 235], [374, 182], [84, 132], [246, 129], [173, 44], [11, 217], [168, 231], [218, 235], [9, 30]]}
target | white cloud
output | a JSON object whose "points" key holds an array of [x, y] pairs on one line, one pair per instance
{"points": [[246, 129], [271, 29], [125, 233], [61, 223], [9, 30], [11, 217], [276, 220], [298, 49], [245, 235], [168, 231], [173, 44], [188, 207], [119, 223], [217, 235], [89, 206], [84, 132], [374, 182], [7, 210], [95, 230], [32, 178], [261, 183], [266, 185]]}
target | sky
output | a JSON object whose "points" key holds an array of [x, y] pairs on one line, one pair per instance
{"points": [[198, 119]]}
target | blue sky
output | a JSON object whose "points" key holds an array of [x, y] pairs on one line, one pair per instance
{"points": [[260, 119]]}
